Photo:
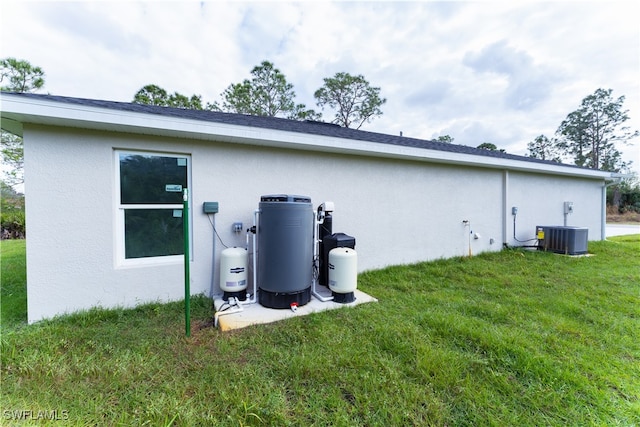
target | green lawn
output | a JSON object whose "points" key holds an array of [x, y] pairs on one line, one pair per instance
{"points": [[13, 294], [516, 338]]}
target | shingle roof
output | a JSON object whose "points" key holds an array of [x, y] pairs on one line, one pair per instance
{"points": [[276, 123]]}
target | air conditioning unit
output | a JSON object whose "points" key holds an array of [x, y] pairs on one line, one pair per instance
{"points": [[562, 239]]}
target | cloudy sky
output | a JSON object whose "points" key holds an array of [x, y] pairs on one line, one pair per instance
{"points": [[500, 72]]}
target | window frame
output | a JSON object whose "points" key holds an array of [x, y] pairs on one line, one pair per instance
{"points": [[120, 208]]}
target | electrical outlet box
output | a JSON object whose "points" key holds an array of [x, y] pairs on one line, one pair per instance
{"points": [[210, 207], [514, 210], [568, 207], [237, 227]]}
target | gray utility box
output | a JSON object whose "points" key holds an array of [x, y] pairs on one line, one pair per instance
{"points": [[562, 239]]}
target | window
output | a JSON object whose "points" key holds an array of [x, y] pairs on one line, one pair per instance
{"points": [[150, 188]]}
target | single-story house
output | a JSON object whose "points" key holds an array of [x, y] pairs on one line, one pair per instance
{"points": [[103, 187]]}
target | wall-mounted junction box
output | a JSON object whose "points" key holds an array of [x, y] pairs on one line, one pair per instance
{"points": [[568, 207], [210, 207]]}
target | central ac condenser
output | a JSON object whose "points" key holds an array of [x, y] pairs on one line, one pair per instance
{"points": [[562, 239]]}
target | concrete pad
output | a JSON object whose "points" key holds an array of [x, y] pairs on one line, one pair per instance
{"points": [[622, 229], [254, 314]]}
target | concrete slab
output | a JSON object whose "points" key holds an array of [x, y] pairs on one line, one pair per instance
{"points": [[254, 314]]}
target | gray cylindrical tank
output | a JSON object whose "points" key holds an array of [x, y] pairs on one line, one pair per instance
{"points": [[285, 250]]}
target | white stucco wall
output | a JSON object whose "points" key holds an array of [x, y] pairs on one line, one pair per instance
{"points": [[540, 201], [399, 211]]}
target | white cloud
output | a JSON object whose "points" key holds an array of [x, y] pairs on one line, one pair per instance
{"points": [[500, 72]]}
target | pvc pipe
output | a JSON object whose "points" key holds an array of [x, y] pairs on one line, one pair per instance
{"points": [[236, 304], [213, 257], [254, 297], [467, 223], [315, 293], [505, 207]]}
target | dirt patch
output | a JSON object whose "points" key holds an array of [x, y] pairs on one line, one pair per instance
{"points": [[614, 216]]}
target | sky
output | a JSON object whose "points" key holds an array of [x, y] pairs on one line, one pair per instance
{"points": [[499, 72]]}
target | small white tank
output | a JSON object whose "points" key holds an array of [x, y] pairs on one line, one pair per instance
{"points": [[233, 270], [343, 270]]}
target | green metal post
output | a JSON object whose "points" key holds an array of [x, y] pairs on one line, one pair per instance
{"points": [[187, 290]]}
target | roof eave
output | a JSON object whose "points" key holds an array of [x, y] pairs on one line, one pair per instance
{"points": [[17, 111]]}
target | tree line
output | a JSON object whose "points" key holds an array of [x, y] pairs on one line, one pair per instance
{"points": [[590, 135], [268, 93]]}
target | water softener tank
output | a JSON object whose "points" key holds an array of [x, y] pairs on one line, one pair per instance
{"points": [[343, 274], [233, 273], [285, 250]]}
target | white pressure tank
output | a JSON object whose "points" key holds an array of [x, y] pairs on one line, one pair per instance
{"points": [[233, 273], [343, 274]]}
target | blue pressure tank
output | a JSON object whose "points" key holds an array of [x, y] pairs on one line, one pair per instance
{"points": [[285, 250]]}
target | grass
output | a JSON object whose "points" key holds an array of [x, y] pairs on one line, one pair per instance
{"points": [[512, 338], [13, 271]]}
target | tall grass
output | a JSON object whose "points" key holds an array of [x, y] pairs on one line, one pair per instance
{"points": [[511, 338]]}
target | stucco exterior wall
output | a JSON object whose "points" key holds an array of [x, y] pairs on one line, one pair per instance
{"points": [[399, 211], [540, 201]]}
